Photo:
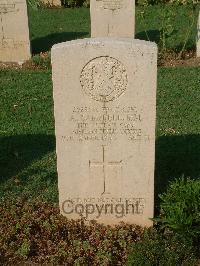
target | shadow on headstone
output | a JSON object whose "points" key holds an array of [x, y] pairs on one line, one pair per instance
{"points": [[176, 156], [45, 43], [18, 152]]}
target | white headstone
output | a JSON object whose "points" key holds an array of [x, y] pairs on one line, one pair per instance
{"points": [[14, 31], [112, 18], [105, 109]]}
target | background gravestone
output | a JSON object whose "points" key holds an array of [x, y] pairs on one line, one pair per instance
{"points": [[14, 31], [104, 105], [114, 18], [198, 37]]}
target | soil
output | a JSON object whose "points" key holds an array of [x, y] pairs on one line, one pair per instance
{"points": [[25, 65], [171, 59], [191, 62]]}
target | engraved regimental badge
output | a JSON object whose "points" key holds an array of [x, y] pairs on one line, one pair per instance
{"points": [[104, 79]]}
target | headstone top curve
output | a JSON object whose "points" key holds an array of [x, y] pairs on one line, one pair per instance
{"points": [[105, 40]]}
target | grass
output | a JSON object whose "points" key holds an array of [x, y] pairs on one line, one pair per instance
{"points": [[27, 155], [178, 125], [50, 26], [27, 134]]}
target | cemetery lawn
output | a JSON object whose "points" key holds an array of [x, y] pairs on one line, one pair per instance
{"points": [[27, 154], [31, 228], [50, 26]]}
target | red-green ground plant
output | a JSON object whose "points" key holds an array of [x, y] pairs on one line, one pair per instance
{"points": [[158, 249], [37, 233]]}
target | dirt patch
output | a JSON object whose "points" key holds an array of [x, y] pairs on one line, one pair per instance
{"points": [[40, 61], [10, 65], [191, 62], [171, 59], [26, 65]]}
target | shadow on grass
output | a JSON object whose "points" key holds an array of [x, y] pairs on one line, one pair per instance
{"points": [[190, 46], [44, 44], [154, 35], [18, 152], [176, 156]]}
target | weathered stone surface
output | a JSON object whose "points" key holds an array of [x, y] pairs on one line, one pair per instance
{"points": [[112, 18], [104, 105], [14, 31], [198, 37]]}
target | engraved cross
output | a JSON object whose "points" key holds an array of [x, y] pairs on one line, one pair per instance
{"points": [[104, 165]]}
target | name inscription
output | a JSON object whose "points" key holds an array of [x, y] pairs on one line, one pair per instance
{"points": [[105, 124], [112, 4]]}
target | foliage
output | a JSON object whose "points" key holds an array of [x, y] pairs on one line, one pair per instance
{"points": [[156, 249], [48, 26], [42, 60], [73, 3], [184, 2], [34, 4], [166, 28], [175, 2], [37, 233], [167, 18], [191, 22], [86, 3], [177, 242], [180, 208], [78, 3]]}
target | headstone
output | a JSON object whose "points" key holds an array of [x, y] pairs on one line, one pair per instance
{"points": [[198, 37], [104, 106], [52, 2], [14, 31], [112, 18]]}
